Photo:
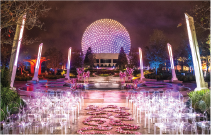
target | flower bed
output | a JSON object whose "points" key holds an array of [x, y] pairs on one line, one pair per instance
{"points": [[100, 125]]}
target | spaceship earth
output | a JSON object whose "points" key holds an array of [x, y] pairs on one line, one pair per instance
{"points": [[106, 36]]}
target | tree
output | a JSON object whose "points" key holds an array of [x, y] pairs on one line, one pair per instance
{"points": [[134, 58], [11, 11], [201, 14], [77, 59], [11, 15], [205, 53], [55, 58], [122, 59], [208, 41], [156, 51], [11, 19], [183, 51], [89, 58], [5, 55]]}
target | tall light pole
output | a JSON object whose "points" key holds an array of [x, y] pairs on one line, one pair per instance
{"points": [[141, 63], [68, 63], [195, 53], [17, 41], [35, 78], [174, 77]]}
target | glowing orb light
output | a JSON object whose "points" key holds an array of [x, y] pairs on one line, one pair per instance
{"points": [[106, 36]]}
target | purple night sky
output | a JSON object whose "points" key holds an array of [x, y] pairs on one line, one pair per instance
{"points": [[67, 21]]}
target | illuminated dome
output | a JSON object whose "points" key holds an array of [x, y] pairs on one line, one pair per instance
{"points": [[106, 36]]}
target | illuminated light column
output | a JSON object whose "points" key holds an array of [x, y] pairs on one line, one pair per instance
{"points": [[17, 52], [68, 63], [141, 63], [174, 77], [35, 78], [195, 53]]}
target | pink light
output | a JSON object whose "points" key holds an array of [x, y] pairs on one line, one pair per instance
{"points": [[39, 55], [170, 55]]}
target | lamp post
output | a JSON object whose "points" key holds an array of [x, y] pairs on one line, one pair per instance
{"points": [[141, 63], [195, 53], [35, 78], [18, 37], [68, 63], [174, 77]]}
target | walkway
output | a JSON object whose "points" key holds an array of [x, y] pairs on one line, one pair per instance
{"points": [[99, 98]]}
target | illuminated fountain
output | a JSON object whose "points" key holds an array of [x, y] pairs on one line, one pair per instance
{"points": [[200, 83]]}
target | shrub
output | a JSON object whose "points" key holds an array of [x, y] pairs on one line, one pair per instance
{"points": [[160, 76], [197, 96], [7, 96], [55, 76], [23, 78], [206, 98], [104, 75], [5, 77], [187, 78], [103, 71]]}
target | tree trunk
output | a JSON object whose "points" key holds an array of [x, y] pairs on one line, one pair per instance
{"points": [[14, 47]]}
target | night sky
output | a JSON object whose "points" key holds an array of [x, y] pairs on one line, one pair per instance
{"points": [[66, 21]]}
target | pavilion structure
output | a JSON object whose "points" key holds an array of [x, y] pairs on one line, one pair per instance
{"points": [[33, 63]]}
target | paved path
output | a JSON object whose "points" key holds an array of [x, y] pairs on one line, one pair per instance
{"points": [[100, 98]]}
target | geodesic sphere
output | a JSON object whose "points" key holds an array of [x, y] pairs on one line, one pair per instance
{"points": [[106, 36]]}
